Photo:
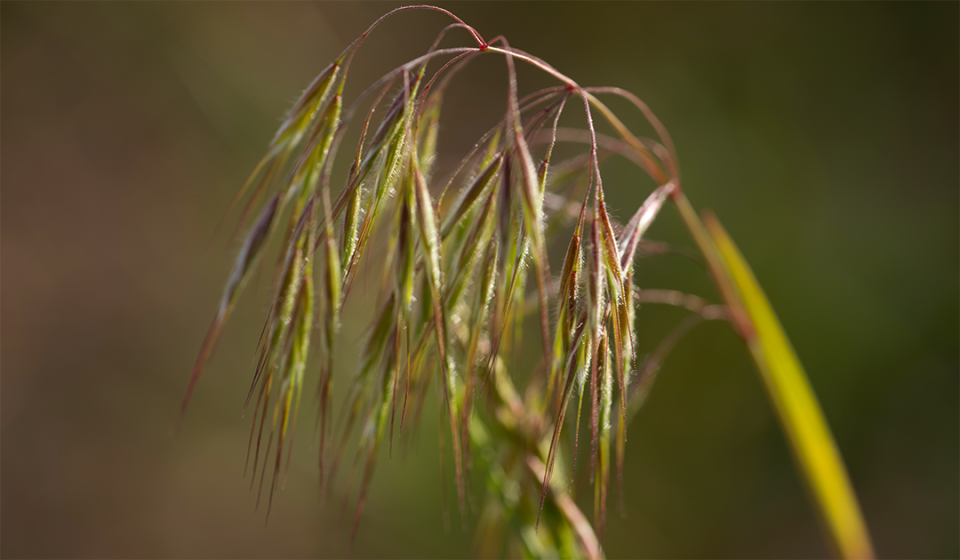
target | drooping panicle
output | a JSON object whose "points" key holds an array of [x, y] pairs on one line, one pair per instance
{"points": [[451, 292]]}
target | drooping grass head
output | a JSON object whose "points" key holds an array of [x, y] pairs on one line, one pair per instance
{"points": [[465, 266]]}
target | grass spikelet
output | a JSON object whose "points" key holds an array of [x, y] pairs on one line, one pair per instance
{"points": [[246, 260], [605, 398], [638, 224], [471, 194], [576, 363], [430, 238], [330, 325], [568, 297], [531, 204]]}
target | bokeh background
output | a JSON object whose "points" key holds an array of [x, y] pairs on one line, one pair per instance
{"points": [[824, 135]]}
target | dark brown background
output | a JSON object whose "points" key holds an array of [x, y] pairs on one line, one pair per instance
{"points": [[824, 135]]}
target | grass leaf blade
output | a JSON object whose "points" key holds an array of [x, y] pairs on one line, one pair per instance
{"points": [[797, 406]]}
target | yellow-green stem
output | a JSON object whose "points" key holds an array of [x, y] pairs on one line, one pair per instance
{"points": [[786, 382]]}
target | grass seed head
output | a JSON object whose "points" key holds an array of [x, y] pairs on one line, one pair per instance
{"points": [[455, 295]]}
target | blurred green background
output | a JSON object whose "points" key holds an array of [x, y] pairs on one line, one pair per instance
{"points": [[824, 135]]}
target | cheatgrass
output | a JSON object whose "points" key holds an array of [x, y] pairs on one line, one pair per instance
{"points": [[466, 266]]}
